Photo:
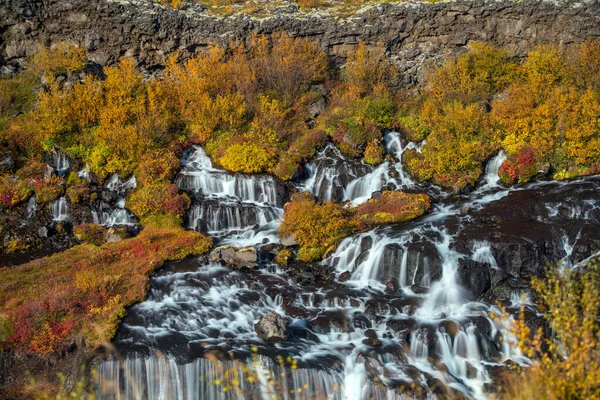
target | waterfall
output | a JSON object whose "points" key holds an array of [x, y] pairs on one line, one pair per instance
{"points": [[60, 210], [61, 161], [227, 216], [199, 176], [491, 178], [333, 177], [31, 207], [115, 184], [241, 209], [398, 318], [482, 253], [85, 173]]}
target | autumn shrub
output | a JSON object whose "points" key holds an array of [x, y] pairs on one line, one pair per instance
{"points": [[474, 76], [362, 105], [316, 227], [16, 96], [77, 194], [90, 233], [282, 257], [566, 363], [374, 152], [366, 69], [14, 191], [46, 192], [247, 157], [458, 143], [160, 197], [157, 166], [16, 244], [519, 167], [84, 291], [61, 58], [552, 108], [391, 207]]}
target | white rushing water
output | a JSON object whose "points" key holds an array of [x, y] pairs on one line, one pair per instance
{"points": [[31, 206], [332, 177], [61, 161], [243, 209], [60, 210], [194, 335]]}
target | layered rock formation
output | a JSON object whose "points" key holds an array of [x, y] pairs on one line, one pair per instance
{"points": [[411, 33]]}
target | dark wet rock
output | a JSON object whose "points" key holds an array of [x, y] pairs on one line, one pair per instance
{"points": [[108, 196], [392, 285], [306, 278], [376, 308], [371, 342], [317, 107], [296, 311], [344, 276], [419, 289], [43, 232], [272, 327], [7, 163], [360, 321], [331, 321], [474, 277], [235, 257], [113, 236], [401, 324], [376, 195], [424, 265]]}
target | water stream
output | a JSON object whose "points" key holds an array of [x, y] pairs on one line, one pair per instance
{"points": [[428, 336]]}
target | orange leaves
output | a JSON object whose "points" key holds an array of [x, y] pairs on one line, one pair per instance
{"points": [[458, 142], [566, 362]]}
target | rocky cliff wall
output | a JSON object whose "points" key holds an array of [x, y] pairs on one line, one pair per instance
{"points": [[411, 34]]}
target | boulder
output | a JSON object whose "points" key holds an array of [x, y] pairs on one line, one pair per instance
{"points": [[7, 164], [272, 327], [474, 277], [113, 236], [236, 257], [288, 241]]}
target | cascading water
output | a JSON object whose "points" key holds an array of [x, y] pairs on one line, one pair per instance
{"points": [[490, 177], [403, 317], [60, 210], [227, 205], [115, 214], [31, 207], [61, 161], [332, 177]]}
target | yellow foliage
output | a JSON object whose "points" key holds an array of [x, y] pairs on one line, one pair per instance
{"points": [[567, 363], [61, 58], [458, 142], [365, 69], [474, 76], [247, 157]]}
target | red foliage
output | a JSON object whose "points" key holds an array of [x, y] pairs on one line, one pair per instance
{"points": [[519, 167]]}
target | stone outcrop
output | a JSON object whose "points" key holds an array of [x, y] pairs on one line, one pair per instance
{"points": [[235, 257], [410, 33], [272, 327]]}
